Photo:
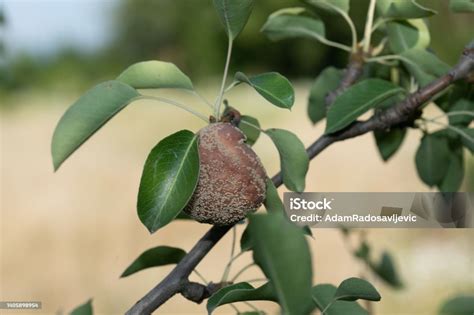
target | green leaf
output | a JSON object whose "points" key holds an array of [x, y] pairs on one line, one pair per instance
{"points": [[307, 231], [323, 295], [240, 292], [274, 87], [281, 251], [432, 159], [288, 11], [363, 252], [455, 173], [246, 241], [460, 305], [331, 6], [327, 81], [386, 270], [169, 178], [424, 66], [357, 100], [283, 26], [250, 132], [391, 101], [272, 201], [468, 138], [461, 6], [463, 105], [407, 34], [353, 289], [388, 142], [183, 216], [459, 90], [293, 158], [87, 115], [84, 309], [233, 14], [403, 9], [154, 257], [449, 134], [155, 75], [274, 204]]}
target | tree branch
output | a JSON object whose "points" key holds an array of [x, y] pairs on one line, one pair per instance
{"points": [[400, 113], [396, 114], [352, 73], [197, 292], [178, 278]]}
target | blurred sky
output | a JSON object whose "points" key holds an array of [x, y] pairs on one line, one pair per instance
{"points": [[37, 26]]}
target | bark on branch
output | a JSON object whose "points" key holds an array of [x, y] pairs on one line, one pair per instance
{"points": [[197, 292], [177, 280], [352, 73]]}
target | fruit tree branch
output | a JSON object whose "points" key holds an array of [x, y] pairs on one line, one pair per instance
{"points": [[397, 114], [177, 280], [352, 73]]}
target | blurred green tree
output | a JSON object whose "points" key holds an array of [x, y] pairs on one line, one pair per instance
{"points": [[166, 29], [188, 33]]}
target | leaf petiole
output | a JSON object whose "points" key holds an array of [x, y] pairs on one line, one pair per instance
{"points": [[454, 113], [368, 26], [454, 129], [241, 271], [327, 307], [217, 105], [231, 86], [331, 43], [201, 276], [235, 308], [177, 104], [389, 58], [379, 22], [202, 98], [232, 252], [252, 125], [253, 307], [229, 264], [379, 48], [349, 21]]}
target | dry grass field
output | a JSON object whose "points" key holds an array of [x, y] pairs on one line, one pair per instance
{"points": [[67, 236]]}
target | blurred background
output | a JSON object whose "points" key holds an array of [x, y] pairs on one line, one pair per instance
{"points": [[67, 236]]}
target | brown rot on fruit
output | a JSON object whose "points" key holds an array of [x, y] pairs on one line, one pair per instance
{"points": [[231, 180]]}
